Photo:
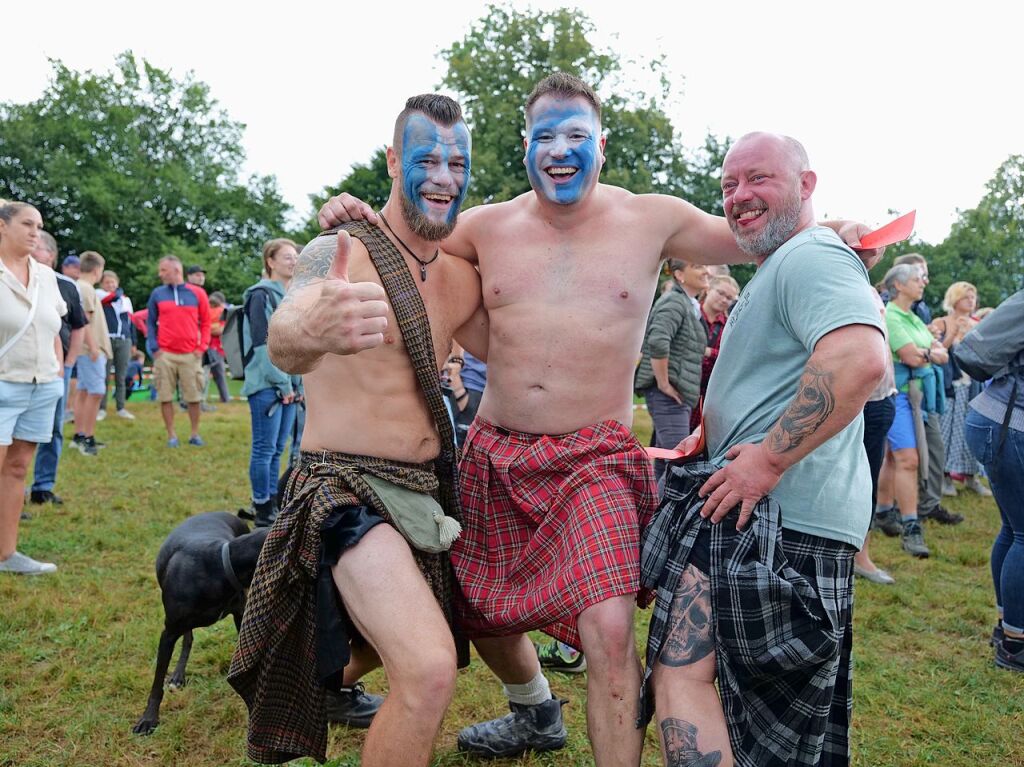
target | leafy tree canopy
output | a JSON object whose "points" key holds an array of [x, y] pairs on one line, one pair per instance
{"points": [[136, 164]]}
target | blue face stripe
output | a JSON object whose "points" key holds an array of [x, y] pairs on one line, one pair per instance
{"points": [[428, 151], [563, 137]]}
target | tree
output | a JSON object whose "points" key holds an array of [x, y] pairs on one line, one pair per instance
{"points": [[367, 181], [135, 164], [494, 68], [986, 245]]}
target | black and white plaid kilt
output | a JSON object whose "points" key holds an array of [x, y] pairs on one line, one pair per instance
{"points": [[783, 607]]}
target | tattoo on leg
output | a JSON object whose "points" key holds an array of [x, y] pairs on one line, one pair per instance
{"points": [[314, 261], [680, 739], [691, 636], [814, 402]]}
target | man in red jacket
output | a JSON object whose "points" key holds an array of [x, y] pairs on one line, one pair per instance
{"points": [[178, 333]]}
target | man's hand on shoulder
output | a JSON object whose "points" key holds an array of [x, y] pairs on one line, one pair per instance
{"points": [[325, 313], [749, 477], [343, 208]]}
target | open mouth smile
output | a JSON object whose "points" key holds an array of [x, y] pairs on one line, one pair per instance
{"points": [[437, 199], [748, 216], [561, 172]]}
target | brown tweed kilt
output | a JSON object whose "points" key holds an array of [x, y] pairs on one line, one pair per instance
{"points": [[274, 667]]}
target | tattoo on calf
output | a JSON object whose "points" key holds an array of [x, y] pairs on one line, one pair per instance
{"points": [[314, 261], [680, 738], [691, 636], [814, 402]]}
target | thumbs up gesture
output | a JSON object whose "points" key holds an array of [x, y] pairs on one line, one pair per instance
{"points": [[347, 317]]}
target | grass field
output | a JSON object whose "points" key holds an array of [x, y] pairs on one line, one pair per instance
{"points": [[77, 648]]}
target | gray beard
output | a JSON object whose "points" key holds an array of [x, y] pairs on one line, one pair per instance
{"points": [[777, 229], [421, 226]]}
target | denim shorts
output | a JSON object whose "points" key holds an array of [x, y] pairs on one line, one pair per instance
{"points": [[26, 410], [901, 434], [92, 376]]}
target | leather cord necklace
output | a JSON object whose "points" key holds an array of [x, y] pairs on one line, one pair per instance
{"points": [[423, 264]]}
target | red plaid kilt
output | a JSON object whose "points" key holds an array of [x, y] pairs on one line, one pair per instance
{"points": [[552, 527]]}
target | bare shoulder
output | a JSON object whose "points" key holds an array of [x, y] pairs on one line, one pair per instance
{"points": [[315, 260]]}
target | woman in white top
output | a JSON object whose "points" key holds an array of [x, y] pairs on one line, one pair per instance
{"points": [[31, 370]]}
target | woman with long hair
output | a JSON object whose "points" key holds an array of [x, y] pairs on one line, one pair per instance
{"points": [[271, 392]]}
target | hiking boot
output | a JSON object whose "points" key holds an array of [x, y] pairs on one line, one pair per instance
{"points": [[942, 515], [560, 657], [888, 522], [265, 513], [19, 564], [913, 539], [1006, 659], [974, 485], [527, 728], [45, 496], [351, 706]]}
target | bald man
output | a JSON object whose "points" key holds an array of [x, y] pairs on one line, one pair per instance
{"points": [[764, 600]]}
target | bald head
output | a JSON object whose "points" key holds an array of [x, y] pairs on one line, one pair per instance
{"points": [[788, 148], [766, 191]]}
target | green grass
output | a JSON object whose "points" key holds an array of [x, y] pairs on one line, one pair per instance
{"points": [[77, 648]]}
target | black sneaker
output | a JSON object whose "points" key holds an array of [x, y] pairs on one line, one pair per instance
{"points": [[942, 515], [559, 657], [888, 522], [1006, 659], [89, 446], [78, 441], [45, 496], [352, 706], [913, 539], [527, 728]]}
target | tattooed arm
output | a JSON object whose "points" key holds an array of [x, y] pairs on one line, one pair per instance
{"points": [[837, 380], [324, 313]]}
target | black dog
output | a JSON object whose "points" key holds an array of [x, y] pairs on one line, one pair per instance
{"points": [[203, 569]]}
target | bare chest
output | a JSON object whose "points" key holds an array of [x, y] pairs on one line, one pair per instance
{"points": [[602, 270]]}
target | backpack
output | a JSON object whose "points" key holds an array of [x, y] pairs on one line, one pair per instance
{"points": [[235, 354]]}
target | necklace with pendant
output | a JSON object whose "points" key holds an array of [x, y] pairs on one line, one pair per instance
{"points": [[423, 264]]}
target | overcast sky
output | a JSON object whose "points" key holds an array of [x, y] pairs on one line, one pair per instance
{"points": [[901, 104]]}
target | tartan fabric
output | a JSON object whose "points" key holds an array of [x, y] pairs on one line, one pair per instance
{"points": [[783, 607], [407, 303], [274, 665], [552, 527], [959, 459]]}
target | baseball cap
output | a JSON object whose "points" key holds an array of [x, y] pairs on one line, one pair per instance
{"points": [[71, 261], [195, 269]]}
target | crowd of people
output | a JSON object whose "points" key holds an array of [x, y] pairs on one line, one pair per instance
{"points": [[810, 407]]}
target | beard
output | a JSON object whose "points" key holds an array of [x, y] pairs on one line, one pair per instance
{"points": [[432, 231], [777, 229]]}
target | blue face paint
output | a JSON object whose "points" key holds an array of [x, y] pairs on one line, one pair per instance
{"points": [[562, 137], [435, 161]]}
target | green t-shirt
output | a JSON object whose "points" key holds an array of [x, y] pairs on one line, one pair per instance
{"points": [[809, 287], [905, 328]]}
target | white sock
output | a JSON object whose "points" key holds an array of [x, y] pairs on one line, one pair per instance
{"points": [[536, 691]]}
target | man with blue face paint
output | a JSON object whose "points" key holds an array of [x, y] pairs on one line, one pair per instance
{"points": [[356, 561], [555, 488]]}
